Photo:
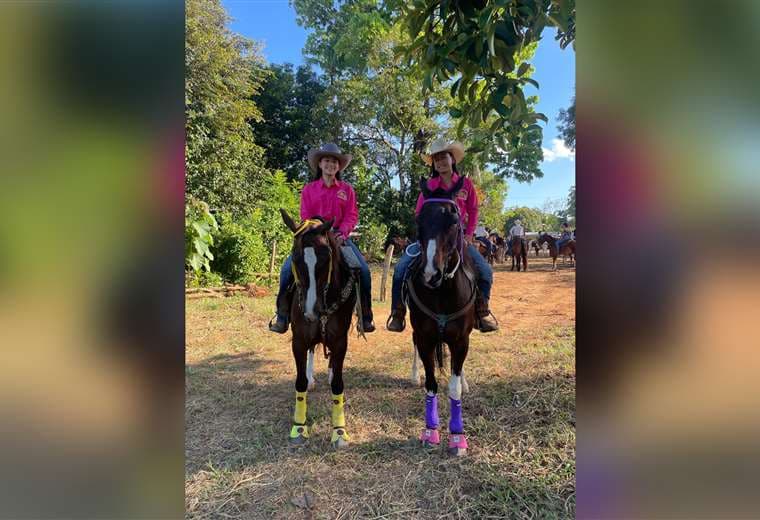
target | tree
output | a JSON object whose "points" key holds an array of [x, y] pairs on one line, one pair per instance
{"points": [[289, 103], [223, 71], [492, 190], [566, 126], [475, 47]]}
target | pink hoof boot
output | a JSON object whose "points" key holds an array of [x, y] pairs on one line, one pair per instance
{"points": [[430, 437], [457, 444]]}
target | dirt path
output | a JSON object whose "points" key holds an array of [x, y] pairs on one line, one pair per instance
{"points": [[519, 416]]}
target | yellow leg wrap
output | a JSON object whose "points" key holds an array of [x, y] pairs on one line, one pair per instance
{"points": [[338, 418], [299, 416], [299, 431]]}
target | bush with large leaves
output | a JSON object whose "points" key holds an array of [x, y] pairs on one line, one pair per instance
{"points": [[200, 226]]}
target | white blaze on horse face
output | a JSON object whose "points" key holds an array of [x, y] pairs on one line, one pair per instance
{"points": [[311, 295], [455, 387], [429, 267]]}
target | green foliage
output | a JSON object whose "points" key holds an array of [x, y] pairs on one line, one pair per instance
{"points": [[223, 71], [200, 226], [205, 279], [289, 102], [567, 125], [568, 213], [372, 240], [239, 251], [244, 244], [492, 190], [480, 49]]}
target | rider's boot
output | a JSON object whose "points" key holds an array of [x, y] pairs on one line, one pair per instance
{"points": [[486, 322], [396, 321], [367, 321], [281, 320]]}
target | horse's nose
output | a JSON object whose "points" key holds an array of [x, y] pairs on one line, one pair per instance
{"points": [[434, 280], [310, 316]]}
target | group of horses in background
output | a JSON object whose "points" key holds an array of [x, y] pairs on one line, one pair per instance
{"points": [[495, 249]]}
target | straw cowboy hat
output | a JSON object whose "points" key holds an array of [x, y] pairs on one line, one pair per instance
{"points": [[456, 149], [331, 150]]}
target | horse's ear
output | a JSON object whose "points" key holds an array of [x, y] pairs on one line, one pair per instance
{"points": [[288, 221], [456, 188], [424, 189], [326, 226]]}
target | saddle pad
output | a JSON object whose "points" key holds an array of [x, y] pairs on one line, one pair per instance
{"points": [[350, 257]]}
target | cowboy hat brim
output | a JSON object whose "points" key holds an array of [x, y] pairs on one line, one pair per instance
{"points": [[315, 155], [456, 149]]}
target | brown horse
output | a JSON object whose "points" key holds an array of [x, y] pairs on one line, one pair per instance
{"points": [[519, 252], [442, 294], [533, 244], [485, 251], [321, 313], [567, 249], [500, 247]]}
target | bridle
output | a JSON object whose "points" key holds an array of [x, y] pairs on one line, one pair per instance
{"points": [[345, 292]]}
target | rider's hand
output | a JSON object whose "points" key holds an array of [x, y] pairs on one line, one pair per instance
{"points": [[340, 240], [469, 239]]}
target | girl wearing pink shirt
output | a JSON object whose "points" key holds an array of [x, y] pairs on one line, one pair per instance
{"points": [[443, 160], [329, 198]]}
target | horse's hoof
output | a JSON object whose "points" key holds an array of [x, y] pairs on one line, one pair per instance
{"points": [[340, 444], [457, 445], [339, 438], [430, 438], [312, 385], [296, 442]]}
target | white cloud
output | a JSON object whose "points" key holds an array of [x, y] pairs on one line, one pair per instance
{"points": [[559, 151]]}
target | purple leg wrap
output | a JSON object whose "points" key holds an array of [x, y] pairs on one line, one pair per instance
{"points": [[431, 411], [455, 423]]}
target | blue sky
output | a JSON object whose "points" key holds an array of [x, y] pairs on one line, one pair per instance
{"points": [[273, 23]]}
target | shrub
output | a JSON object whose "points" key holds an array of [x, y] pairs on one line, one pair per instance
{"points": [[200, 225]]}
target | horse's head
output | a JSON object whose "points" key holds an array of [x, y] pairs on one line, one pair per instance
{"points": [[313, 256], [439, 232]]}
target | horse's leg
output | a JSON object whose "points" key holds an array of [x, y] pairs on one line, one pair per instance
{"points": [[525, 260], [416, 381], [299, 432], [310, 369], [340, 436], [329, 370], [513, 261], [465, 386], [457, 439], [430, 436]]}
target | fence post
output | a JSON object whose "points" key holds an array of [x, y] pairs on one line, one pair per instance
{"points": [[386, 268], [274, 254]]}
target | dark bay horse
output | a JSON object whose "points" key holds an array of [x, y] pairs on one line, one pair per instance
{"points": [[441, 291], [321, 313], [520, 253], [500, 247], [567, 249]]}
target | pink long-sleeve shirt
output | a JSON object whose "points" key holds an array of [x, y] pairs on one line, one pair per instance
{"points": [[335, 202], [466, 199]]}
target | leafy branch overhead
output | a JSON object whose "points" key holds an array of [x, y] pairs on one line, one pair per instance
{"points": [[475, 47]]}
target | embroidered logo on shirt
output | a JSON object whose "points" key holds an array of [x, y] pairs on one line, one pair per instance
{"points": [[462, 194], [342, 195]]}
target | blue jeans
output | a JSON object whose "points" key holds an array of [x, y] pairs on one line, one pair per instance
{"points": [[365, 280], [484, 273]]}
